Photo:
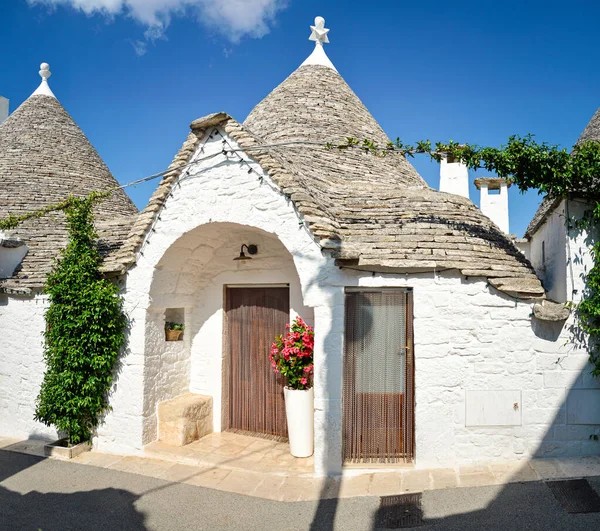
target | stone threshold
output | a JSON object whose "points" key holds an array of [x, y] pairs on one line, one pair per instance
{"points": [[289, 488]]}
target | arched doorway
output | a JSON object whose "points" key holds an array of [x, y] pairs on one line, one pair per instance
{"points": [[231, 310]]}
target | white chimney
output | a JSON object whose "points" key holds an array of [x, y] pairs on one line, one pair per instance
{"points": [[494, 205], [454, 177], [3, 109]]}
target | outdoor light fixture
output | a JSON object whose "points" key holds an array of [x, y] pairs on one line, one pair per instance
{"points": [[252, 249]]}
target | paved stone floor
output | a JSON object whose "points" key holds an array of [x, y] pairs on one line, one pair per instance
{"points": [[235, 451], [264, 469]]}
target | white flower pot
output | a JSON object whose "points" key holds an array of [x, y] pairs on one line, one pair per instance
{"points": [[300, 414]]}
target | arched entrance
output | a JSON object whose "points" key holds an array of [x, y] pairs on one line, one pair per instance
{"points": [[231, 310]]}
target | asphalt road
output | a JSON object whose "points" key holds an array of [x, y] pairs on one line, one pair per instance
{"points": [[47, 495]]}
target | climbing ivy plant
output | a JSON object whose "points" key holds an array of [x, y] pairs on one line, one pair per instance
{"points": [[84, 327], [529, 164]]}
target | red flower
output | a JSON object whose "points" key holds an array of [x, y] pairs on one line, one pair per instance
{"points": [[291, 354]]}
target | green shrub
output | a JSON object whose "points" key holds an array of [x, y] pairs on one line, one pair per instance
{"points": [[84, 332]]}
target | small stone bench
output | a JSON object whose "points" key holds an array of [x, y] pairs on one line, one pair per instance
{"points": [[185, 419]]}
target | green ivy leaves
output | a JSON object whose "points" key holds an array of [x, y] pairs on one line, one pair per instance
{"points": [[529, 164], [84, 331]]}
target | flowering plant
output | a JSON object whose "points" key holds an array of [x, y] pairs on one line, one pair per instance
{"points": [[292, 355]]}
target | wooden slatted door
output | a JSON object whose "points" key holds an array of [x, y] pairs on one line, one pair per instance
{"points": [[378, 396], [255, 315]]}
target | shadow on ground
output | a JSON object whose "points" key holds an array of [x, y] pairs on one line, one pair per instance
{"points": [[517, 506], [48, 511]]}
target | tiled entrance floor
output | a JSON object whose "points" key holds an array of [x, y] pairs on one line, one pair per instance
{"points": [[234, 451], [261, 468]]}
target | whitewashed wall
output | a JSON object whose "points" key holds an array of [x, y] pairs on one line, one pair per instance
{"points": [[468, 337], [551, 265], [579, 260], [21, 365], [166, 367], [192, 275], [184, 265]]}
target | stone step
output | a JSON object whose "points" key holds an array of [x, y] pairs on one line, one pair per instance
{"points": [[185, 419]]}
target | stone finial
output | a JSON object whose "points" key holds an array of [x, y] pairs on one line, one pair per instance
{"points": [[319, 36], [319, 32], [45, 71], [44, 88]]}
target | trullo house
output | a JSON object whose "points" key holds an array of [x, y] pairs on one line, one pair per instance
{"points": [[435, 341]]}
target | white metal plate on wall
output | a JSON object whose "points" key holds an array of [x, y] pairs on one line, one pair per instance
{"points": [[493, 408], [583, 406]]}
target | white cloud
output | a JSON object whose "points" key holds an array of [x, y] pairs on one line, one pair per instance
{"points": [[233, 19], [139, 47]]}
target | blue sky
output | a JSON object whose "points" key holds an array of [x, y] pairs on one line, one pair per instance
{"points": [[135, 73]]}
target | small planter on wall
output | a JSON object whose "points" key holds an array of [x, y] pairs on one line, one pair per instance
{"points": [[61, 449], [173, 334], [174, 319]]}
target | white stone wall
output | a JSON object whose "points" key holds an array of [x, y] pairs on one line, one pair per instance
{"points": [[166, 367], [559, 252], [185, 264], [548, 255], [468, 337], [21, 365], [579, 260], [10, 257], [3, 109]]}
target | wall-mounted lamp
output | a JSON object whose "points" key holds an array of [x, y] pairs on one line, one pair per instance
{"points": [[252, 249]]}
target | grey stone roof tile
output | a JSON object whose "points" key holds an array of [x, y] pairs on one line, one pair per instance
{"points": [[44, 157], [592, 129], [370, 212]]}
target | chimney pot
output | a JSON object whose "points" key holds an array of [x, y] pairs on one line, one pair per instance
{"points": [[494, 206], [454, 177]]}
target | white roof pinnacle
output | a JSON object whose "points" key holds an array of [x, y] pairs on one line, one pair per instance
{"points": [[44, 88], [319, 36], [319, 32]]}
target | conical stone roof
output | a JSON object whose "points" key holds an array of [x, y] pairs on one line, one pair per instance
{"points": [[316, 104], [376, 213], [44, 157], [369, 212]]}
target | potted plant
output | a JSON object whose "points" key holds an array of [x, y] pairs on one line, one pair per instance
{"points": [[292, 356], [173, 331]]}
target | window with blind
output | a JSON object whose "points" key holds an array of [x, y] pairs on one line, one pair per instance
{"points": [[378, 396]]}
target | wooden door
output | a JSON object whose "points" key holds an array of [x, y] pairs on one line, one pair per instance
{"points": [[254, 316], [378, 377]]}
